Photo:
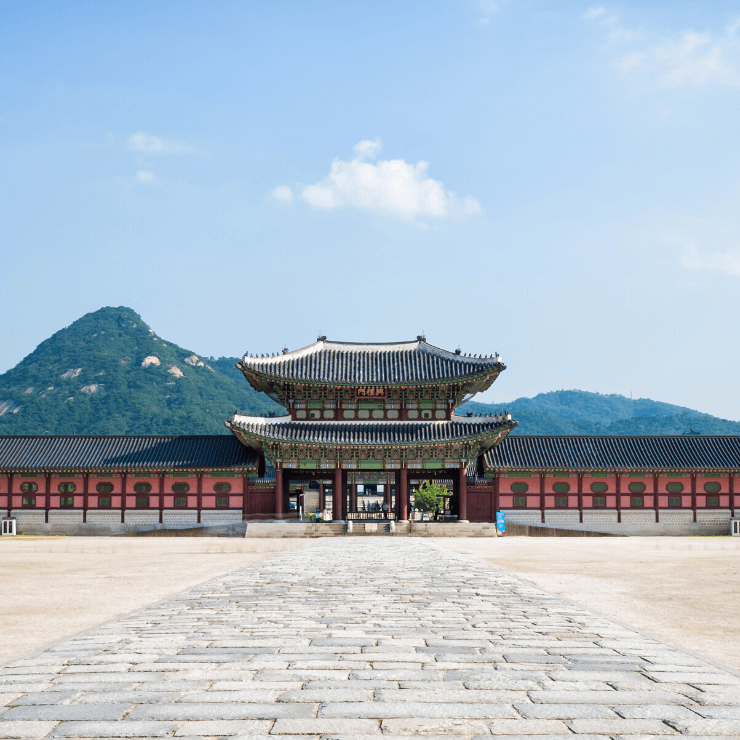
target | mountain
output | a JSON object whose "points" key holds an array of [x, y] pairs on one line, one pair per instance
{"points": [[109, 373], [581, 412]]}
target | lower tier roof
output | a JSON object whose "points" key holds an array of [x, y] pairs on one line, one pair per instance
{"points": [[284, 429], [600, 452], [123, 452]]}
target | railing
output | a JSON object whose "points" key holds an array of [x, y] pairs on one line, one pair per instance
{"points": [[370, 515]]}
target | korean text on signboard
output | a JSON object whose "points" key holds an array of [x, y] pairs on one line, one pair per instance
{"points": [[370, 391]]}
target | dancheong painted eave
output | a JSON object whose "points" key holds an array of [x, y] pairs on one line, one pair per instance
{"points": [[391, 364], [122, 453], [605, 452], [381, 433]]}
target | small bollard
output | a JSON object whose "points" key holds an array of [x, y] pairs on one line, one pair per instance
{"points": [[349, 526]]}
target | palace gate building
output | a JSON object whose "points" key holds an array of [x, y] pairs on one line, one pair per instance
{"points": [[375, 417]]}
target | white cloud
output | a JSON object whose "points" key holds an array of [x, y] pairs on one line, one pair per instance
{"points": [[141, 142], [693, 59], [727, 262], [592, 13], [283, 194], [144, 176], [393, 186], [687, 59]]}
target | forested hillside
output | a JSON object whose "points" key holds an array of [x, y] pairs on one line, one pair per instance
{"points": [[109, 373]]}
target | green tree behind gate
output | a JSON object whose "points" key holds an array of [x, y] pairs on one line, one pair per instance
{"points": [[430, 496]]}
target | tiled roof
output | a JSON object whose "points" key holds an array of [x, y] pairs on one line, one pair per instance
{"points": [[282, 429], [598, 452], [382, 364], [124, 452]]}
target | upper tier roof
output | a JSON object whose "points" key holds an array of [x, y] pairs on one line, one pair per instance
{"points": [[122, 453], [378, 364], [606, 452], [284, 429]]}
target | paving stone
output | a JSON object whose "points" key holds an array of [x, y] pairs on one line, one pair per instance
{"points": [[46, 697], [412, 709], [722, 712], [531, 727], [113, 729], [621, 726], [322, 726], [225, 727], [608, 698], [19, 730], [565, 711], [132, 697], [433, 726], [218, 711], [67, 712], [659, 711]]}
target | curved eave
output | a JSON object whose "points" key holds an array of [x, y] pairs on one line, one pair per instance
{"points": [[249, 428], [271, 380]]}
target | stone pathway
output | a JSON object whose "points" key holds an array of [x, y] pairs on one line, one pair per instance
{"points": [[354, 638]]}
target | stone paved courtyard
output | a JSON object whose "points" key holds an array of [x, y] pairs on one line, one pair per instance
{"points": [[346, 638]]}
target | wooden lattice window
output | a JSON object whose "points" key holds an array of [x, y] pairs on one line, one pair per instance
{"points": [[599, 501], [712, 487], [637, 501], [561, 500], [29, 488], [519, 487], [180, 488], [599, 487], [222, 487], [674, 487], [142, 488], [636, 488], [66, 487], [181, 501], [712, 500], [674, 501], [520, 501], [104, 488], [561, 487]]}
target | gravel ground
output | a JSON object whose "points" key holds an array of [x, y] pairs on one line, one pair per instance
{"points": [[54, 587], [685, 590]]}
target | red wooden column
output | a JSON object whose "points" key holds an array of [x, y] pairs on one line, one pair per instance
{"points": [[618, 478], [11, 478], [693, 495], [732, 494], [279, 496], [403, 497], [245, 497], [496, 488], [656, 481], [161, 498], [200, 496], [48, 500], [353, 497], [124, 486], [463, 493], [580, 498], [322, 496], [542, 498], [85, 488], [336, 496]]}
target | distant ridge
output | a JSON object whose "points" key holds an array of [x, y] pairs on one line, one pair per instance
{"points": [[583, 412], [110, 373]]}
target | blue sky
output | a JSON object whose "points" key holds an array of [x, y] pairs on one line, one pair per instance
{"points": [[555, 181]]}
